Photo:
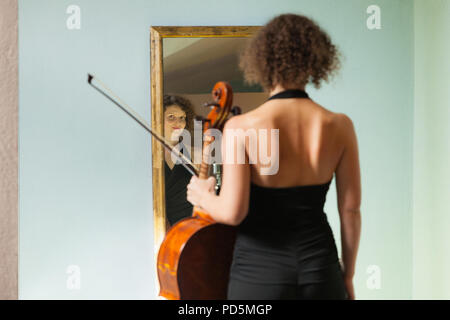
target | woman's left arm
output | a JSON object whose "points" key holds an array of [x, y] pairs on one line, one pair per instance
{"points": [[231, 205]]}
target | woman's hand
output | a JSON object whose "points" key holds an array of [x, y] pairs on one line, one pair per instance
{"points": [[198, 188], [348, 281]]}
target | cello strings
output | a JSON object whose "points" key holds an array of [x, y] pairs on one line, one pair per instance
{"points": [[187, 163]]}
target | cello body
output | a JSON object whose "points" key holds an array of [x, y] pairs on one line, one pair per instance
{"points": [[195, 256]]}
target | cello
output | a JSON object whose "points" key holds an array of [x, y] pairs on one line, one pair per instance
{"points": [[195, 256]]}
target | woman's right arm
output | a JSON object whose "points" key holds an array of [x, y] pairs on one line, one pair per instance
{"points": [[348, 186]]}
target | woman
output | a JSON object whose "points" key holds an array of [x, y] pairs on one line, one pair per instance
{"points": [[285, 248], [178, 116]]}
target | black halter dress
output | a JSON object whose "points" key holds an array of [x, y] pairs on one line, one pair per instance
{"points": [[285, 248], [176, 181]]}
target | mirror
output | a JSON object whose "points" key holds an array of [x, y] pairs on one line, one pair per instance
{"points": [[186, 63]]}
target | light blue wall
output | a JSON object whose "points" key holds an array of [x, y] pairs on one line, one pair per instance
{"points": [[432, 150], [85, 167]]}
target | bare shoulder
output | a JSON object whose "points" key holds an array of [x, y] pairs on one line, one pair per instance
{"points": [[341, 123], [344, 122], [237, 122], [341, 120], [345, 129]]}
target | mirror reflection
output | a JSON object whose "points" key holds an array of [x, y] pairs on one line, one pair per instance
{"points": [[191, 68]]}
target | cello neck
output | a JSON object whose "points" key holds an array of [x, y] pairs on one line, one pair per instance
{"points": [[204, 167]]}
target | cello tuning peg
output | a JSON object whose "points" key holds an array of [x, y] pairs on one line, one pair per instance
{"points": [[236, 110], [211, 104]]}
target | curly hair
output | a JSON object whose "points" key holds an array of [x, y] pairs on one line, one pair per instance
{"points": [[290, 50], [185, 105]]}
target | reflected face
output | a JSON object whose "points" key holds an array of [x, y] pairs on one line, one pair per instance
{"points": [[174, 122]]}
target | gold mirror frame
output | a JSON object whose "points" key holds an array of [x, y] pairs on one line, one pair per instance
{"points": [[157, 34]]}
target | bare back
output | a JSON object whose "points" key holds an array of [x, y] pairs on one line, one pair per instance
{"points": [[310, 141]]}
